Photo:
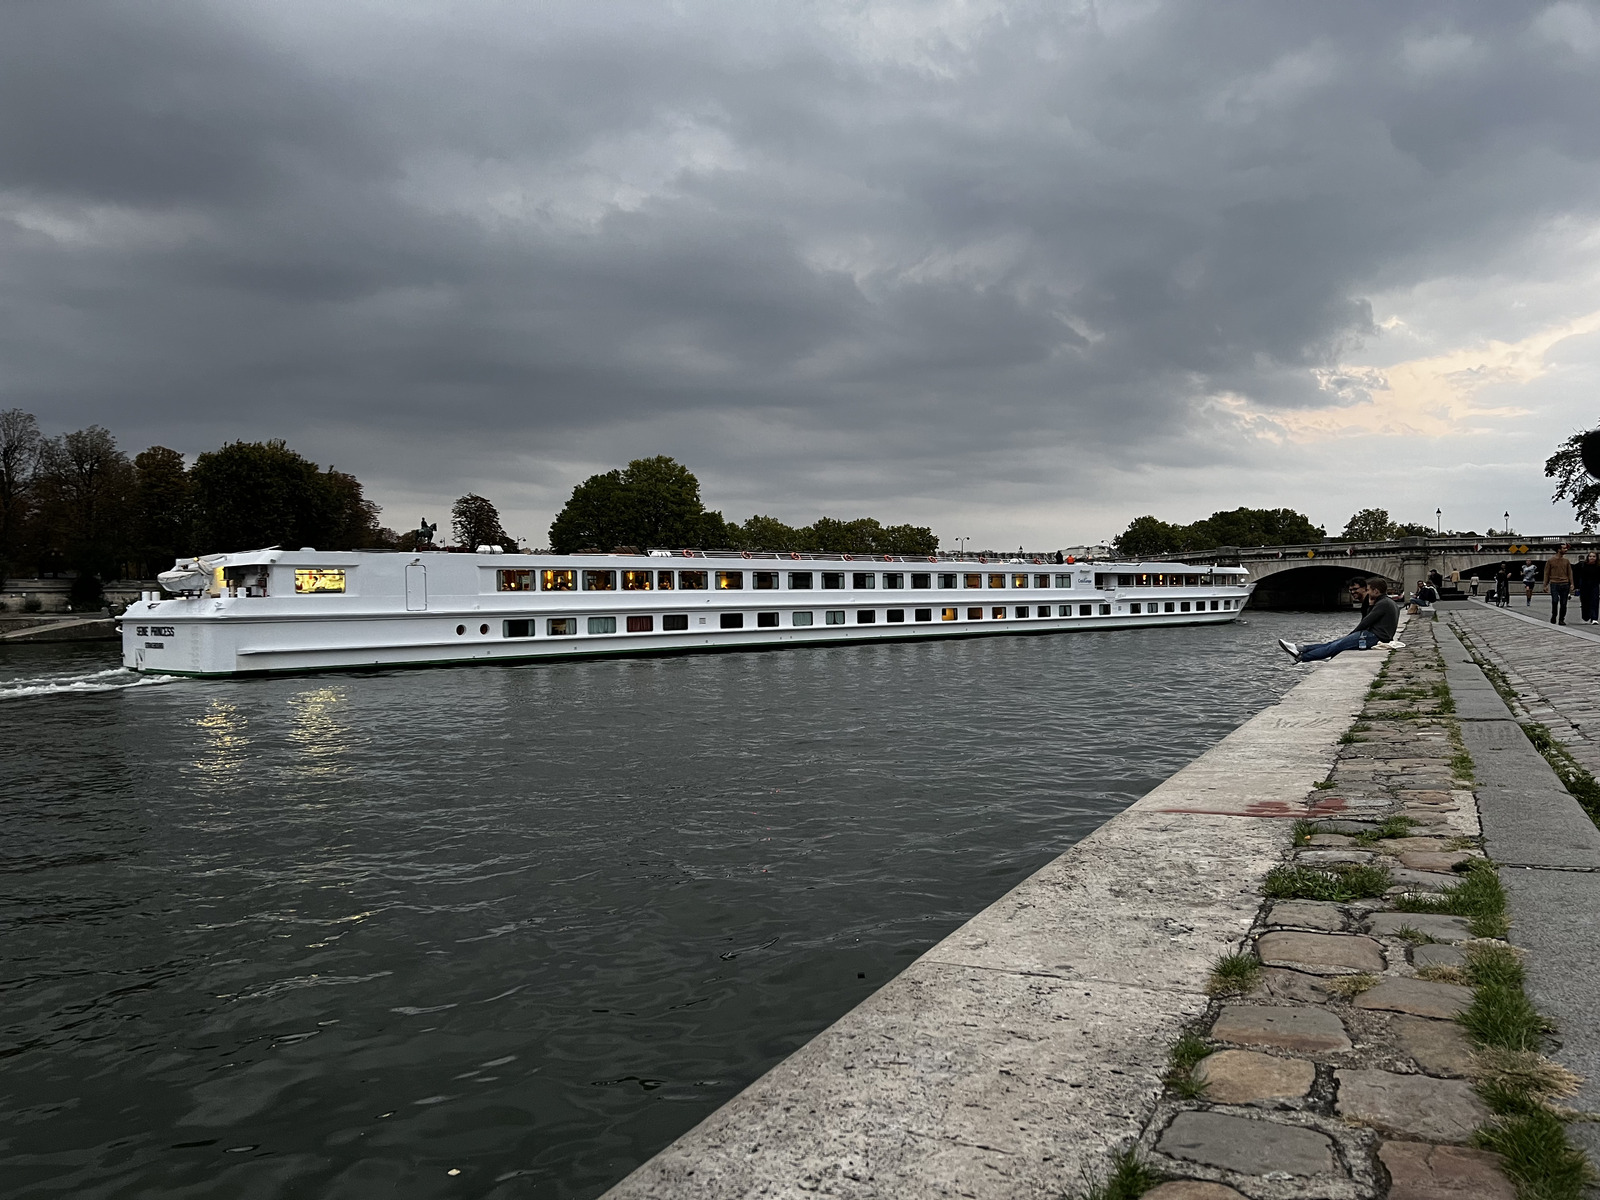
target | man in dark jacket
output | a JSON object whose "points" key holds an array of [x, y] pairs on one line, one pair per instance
{"points": [[1377, 626]]}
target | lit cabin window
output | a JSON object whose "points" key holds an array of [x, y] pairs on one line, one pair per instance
{"points": [[602, 624], [972, 581], [664, 581], [764, 581], [1191, 580], [893, 579], [674, 622], [560, 580], [1064, 581], [691, 581], [562, 626], [801, 618], [1019, 581], [998, 612], [861, 580], [1205, 581], [637, 581], [833, 580], [513, 581], [800, 581], [997, 581], [947, 614], [730, 581], [922, 582], [599, 581], [317, 581]]}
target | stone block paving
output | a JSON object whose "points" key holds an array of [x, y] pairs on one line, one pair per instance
{"points": [[1556, 676], [1342, 1073]]}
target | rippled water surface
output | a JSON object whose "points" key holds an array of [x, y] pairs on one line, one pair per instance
{"points": [[506, 931]]}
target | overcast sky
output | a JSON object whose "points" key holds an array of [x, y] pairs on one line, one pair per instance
{"points": [[1020, 271]]}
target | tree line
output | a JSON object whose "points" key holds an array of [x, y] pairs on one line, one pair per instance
{"points": [[1147, 536]]}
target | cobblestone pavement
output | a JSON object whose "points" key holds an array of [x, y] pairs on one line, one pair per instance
{"points": [[1341, 1073], [1555, 674]]}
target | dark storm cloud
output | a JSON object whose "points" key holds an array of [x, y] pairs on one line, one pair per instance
{"points": [[470, 237]]}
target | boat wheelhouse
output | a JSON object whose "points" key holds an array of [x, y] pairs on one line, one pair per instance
{"points": [[304, 610]]}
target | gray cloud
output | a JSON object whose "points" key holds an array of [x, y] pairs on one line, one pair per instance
{"points": [[899, 258]]}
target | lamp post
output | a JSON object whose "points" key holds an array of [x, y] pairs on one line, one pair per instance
{"points": [[1438, 517], [1506, 527]]}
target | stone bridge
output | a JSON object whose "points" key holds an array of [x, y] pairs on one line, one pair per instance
{"points": [[1319, 575]]}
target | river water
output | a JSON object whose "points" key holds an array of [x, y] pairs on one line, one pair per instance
{"points": [[506, 931]]}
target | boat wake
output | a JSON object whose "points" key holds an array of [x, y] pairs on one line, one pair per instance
{"points": [[109, 680]]}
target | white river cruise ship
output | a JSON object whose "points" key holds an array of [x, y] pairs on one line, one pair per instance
{"points": [[306, 610]]}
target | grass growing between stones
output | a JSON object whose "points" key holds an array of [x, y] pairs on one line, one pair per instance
{"points": [[1574, 777], [1129, 1179], [1392, 827], [1535, 1153], [1348, 987], [1182, 1059], [1336, 881], [1478, 897], [1233, 975]]}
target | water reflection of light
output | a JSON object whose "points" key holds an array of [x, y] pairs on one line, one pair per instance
{"points": [[320, 731], [226, 741]]}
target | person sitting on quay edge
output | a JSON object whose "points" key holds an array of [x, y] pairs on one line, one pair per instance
{"points": [[1376, 627], [1558, 575], [1426, 595], [1586, 579]]}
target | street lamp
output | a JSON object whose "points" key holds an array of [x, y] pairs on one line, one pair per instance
{"points": [[1438, 516], [1506, 528]]}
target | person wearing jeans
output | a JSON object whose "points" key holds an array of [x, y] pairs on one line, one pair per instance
{"points": [[1376, 627], [1586, 580], [1558, 574]]}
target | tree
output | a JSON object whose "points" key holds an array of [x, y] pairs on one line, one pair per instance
{"points": [[476, 522], [1574, 484], [1148, 537], [85, 488], [249, 495], [595, 516], [19, 456], [1411, 529], [1253, 527], [1369, 525], [352, 518], [651, 502], [163, 501]]}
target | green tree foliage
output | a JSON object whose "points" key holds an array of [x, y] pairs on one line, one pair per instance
{"points": [[1369, 525], [163, 517], [651, 502], [476, 522], [1573, 483], [254, 494], [19, 456], [84, 488], [1238, 527], [1413, 529]]}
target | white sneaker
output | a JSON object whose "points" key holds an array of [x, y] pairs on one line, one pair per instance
{"points": [[1289, 648]]}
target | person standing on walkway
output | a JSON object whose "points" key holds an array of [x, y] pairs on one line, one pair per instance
{"points": [[1586, 581], [1530, 573], [1502, 586], [1558, 575], [1376, 627]]}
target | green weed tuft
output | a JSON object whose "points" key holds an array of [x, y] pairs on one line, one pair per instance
{"points": [[1502, 1016], [1304, 831], [1494, 965], [1537, 1156], [1129, 1179], [1233, 975], [1350, 986], [1392, 827], [1185, 1054], [1478, 897], [1339, 881]]}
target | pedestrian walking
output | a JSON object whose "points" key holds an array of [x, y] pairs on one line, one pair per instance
{"points": [[1586, 581], [1530, 574], [1558, 578], [1502, 586]]}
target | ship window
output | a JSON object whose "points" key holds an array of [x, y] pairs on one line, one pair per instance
{"points": [[766, 620], [1184, 607], [974, 614], [730, 581], [1065, 610], [641, 624], [922, 581], [1041, 581], [599, 581], [1064, 581], [1105, 610], [800, 581], [664, 581], [558, 580], [1205, 581], [997, 581], [1192, 580], [691, 581], [1019, 581], [998, 612], [1022, 610], [947, 581], [1227, 604], [1134, 608], [1167, 607], [561, 626], [1213, 606], [518, 629], [835, 616], [637, 581], [801, 618], [1085, 610], [733, 620], [833, 580], [895, 616], [861, 580], [947, 614], [866, 616], [922, 614], [317, 581], [1124, 580], [893, 579], [764, 581], [513, 581], [674, 622], [602, 624], [460, 629], [972, 581]]}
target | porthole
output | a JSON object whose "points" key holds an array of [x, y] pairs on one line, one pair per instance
{"points": [[460, 629], [483, 629]]}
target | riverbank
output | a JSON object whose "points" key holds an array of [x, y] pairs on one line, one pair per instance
{"points": [[1283, 973], [58, 629]]}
